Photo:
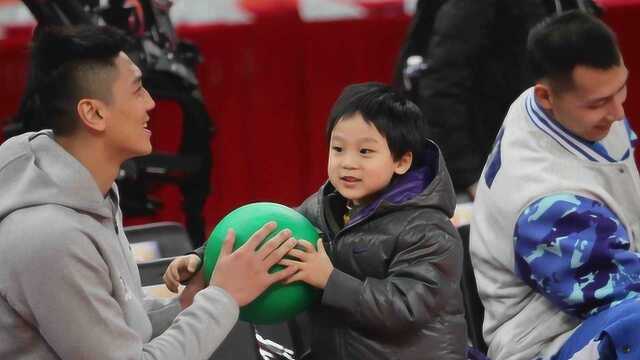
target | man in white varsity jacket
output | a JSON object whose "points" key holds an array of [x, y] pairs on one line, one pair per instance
{"points": [[554, 237]]}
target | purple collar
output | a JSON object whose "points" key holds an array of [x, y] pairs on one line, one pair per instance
{"points": [[402, 189]]}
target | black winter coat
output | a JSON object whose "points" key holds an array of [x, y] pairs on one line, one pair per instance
{"points": [[475, 51], [394, 292]]}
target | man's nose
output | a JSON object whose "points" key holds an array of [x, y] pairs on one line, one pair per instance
{"points": [[616, 110], [151, 104]]}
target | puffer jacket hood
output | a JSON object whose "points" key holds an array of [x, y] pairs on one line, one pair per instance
{"points": [[427, 186]]}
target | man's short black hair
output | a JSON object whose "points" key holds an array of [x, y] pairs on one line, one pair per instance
{"points": [[397, 119], [67, 65], [560, 43]]}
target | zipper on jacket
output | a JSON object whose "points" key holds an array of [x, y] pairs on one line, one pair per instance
{"points": [[331, 247], [114, 211], [340, 341]]}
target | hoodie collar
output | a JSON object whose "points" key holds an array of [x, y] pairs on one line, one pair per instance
{"points": [[36, 170], [71, 176]]}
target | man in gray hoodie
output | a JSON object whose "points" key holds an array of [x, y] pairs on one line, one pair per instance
{"points": [[69, 287]]}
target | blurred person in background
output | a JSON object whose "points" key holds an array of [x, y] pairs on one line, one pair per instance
{"points": [[463, 64]]}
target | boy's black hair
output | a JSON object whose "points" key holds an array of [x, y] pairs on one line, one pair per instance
{"points": [[68, 64], [394, 116], [560, 43]]}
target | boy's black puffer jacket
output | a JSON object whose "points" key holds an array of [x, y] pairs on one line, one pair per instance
{"points": [[394, 293]]}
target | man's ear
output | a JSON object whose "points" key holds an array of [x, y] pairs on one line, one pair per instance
{"points": [[404, 164], [90, 113], [544, 95]]}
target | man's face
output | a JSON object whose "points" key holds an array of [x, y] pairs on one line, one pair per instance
{"points": [[360, 162], [593, 103], [126, 115]]}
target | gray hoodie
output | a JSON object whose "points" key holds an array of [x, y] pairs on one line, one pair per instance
{"points": [[69, 287]]}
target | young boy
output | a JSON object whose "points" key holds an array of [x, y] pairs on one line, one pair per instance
{"points": [[390, 261]]}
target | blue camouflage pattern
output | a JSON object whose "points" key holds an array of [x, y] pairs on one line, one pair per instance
{"points": [[611, 334], [576, 252]]}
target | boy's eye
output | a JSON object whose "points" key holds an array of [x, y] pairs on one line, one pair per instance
{"points": [[366, 151], [336, 148]]}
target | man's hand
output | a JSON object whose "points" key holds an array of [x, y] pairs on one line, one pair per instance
{"points": [[244, 273], [315, 267], [181, 269]]}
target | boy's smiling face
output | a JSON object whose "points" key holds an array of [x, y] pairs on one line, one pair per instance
{"points": [[360, 162]]}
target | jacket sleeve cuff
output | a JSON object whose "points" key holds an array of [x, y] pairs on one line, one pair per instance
{"points": [[199, 251], [342, 291], [218, 299]]}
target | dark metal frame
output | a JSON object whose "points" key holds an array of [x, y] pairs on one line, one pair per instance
{"points": [[169, 69]]}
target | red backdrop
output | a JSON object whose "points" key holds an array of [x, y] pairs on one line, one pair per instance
{"points": [[269, 86]]}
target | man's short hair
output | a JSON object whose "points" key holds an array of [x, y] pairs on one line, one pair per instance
{"points": [[560, 43], [396, 118], [67, 65]]}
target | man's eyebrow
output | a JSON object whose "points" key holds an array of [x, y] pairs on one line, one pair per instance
{"points": [[137, 80], [605, 98]]}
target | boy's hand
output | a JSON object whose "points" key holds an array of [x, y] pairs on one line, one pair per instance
{"points": [[196, 283], [181, 269], [315, 267]]}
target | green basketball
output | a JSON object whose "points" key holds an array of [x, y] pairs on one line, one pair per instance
{"points": [[280, 302]]}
